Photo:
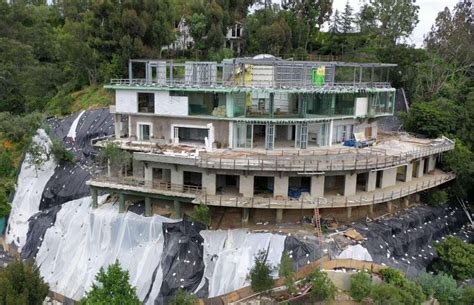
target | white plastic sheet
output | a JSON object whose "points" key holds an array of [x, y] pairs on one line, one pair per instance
{"points": [[31, 183], [356, 252]]}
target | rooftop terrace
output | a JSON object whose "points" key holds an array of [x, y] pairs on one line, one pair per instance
{"points": [[241, 73]]}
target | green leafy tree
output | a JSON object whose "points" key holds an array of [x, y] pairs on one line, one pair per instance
{"points": [[5, 206], [441, 286], [388, 294], [21, 283], [361, 284], [456, 258], [435, 197], [347, 19], [323, 288], [111, 287], [60, 151], [115, 158], [183, 298], [37, 156], [202, 214], [467, 295], [260, 274], [287, 271]]}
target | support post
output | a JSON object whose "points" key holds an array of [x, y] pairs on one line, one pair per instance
{"points": [[245, 215], [121, 203], [94, 198], [371, 209], [389, 206], [279, 215], [148, 211], [317, 186], [406, 202], [349, 212], [371, 181], [177, 209]]}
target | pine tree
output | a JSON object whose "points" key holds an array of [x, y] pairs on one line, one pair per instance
{"points": [[336, 23], [347, 19], [260, 275]]}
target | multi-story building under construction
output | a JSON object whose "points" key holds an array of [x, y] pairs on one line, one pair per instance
{"points": [[264, 138]]}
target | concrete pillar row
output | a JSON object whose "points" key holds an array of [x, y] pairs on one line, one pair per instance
{"points": [[350, 184], [246, 186], [280, 187], [317, 186]]}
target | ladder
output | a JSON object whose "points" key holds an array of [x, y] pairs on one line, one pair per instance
{"points": [[464, 207], [317, 225]]}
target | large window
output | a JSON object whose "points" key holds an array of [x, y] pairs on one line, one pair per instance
{"points": [[146, 102]]}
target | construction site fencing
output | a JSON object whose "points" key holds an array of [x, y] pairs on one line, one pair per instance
{"points": [[304, 202], [317, 160]]}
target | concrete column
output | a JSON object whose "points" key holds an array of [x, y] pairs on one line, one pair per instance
{"points": [[431, 163], [417, 197], [177, 209], [94, 196], [371, 209], [148, 175], [349, 212], [245, 215], [246, 186], [389, 206], [209, 182], [317, 186], [148, 206], [121, 203], [177, 176], [279, 215], [280, 187], [421, 165], [371, 181], [331, 127], [409, 172], [406, 202], [117, 119], [350, 184], [389, 177]]}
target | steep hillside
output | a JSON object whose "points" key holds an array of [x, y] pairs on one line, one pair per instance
{"points": [[91, 97]]}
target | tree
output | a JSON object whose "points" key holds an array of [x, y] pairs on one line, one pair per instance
{"points": [[114, 157], [202, 214], [323, 288], [5, 206], [260, 274], [435, 197], [335, 26], [287, 270], [37, 156], [361, 284], [389, 20], [347, 19], [456, 257], [441, 286], [183, 298], [111, 287], [60, 151], [388, 294], [21, 283]]}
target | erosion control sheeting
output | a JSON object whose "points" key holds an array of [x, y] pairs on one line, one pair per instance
{"points": [[406, 240]]}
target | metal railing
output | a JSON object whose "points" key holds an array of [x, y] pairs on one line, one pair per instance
{"points": [[317, 160], [375, 197]]}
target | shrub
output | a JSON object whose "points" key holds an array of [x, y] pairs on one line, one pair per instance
{"points": [[60, 152], [114, 156], [361, 283], [392, 276], [467, 296], [287, 271], [323, 287], [202, 214], [456, 257], [388, 294], [21, 283], [260, 275], [441, 286], [5, 206], [435, 197], [112, 288], [183, 298]]}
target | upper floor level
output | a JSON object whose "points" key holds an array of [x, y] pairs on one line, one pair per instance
{"points": [[259, 72]]}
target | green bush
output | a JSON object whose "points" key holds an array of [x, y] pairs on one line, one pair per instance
{"points": [[435, 197], [467, 295], [361, 283], [287, 270], [60, 152], [112, 288], [388, 294], [202, 214], [323, 288], [21, 283], [260, 275], [183, 298], [392, 276], [456, 257], [441, 286], [5, 206]]}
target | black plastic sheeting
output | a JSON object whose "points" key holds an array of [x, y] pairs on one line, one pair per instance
{"points": [[37, 226], [181, 261], [302, 252], [68, 181], [406, 242]]}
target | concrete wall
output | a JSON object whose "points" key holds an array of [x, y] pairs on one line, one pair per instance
{"points": [[126, 101], [361, 106], [317, 186], [280, 187], [389, 177], [371, 181], [350, 184], [209, 182], [246, 186]]}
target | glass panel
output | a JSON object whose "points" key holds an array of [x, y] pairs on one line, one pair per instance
{"points": [[144, 132]]}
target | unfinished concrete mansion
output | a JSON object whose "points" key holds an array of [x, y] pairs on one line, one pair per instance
{"points": [[265, 139]]}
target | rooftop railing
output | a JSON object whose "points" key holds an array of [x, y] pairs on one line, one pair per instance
{"points": [[250, 73]]}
